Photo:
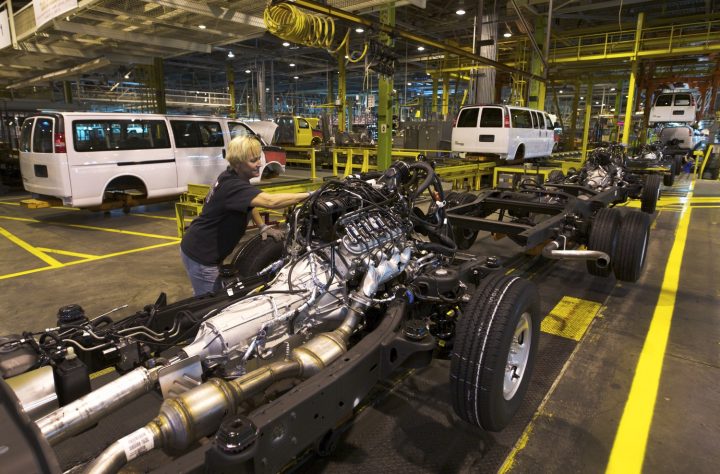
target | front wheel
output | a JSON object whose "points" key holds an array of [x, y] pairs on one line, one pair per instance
{"points": [[669, 179], [255, 255], [603, 237], [633, 239], [494, 351]]}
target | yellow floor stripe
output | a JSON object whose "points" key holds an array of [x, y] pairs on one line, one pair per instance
{"points": [[91, 259], [66, 252], [150, 216], [628, 451], [570, 318], [88, 227], [33, 250], [10, 203]]}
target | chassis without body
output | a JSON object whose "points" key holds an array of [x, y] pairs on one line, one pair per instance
{"points": [[273, 364], [565, 211]]}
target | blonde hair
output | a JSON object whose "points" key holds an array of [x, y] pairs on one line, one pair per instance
{"points": [[242, 149]]}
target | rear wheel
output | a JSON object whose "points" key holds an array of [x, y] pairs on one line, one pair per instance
{"points": [[519, 155], [650, 193], [669, 179], [678, 164], [631, 249], [494, 351], [603, 237], [255, 255]]}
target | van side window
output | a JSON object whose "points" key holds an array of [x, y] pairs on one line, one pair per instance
{"points": [[548, 122], [26, 134], [521, 118], [468, 117], [682, 99], [302, 123], [536, 120], [43, 136], [664, 100], [104, 135], [239, 130], [491, 117], [193, 134]]}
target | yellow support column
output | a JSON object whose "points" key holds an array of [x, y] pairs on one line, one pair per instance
{"points": [[446, 95], [342, 88], [586, 127], [631, 87], [230, 75]]}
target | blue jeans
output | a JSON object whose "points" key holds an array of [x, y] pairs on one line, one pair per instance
{"points": [[204, 278]]}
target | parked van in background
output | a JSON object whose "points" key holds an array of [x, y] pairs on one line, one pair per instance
{"points": [[506, 132], [86, 159], [673, 105]]}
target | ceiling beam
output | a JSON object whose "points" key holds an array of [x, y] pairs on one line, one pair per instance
{"points": [[96, 63], [212, 11], [131, 37]]}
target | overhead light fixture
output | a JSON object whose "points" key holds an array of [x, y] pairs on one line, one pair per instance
{"points": [[247, 71], [202, 27], [409, 83], [296, 77], [508, 31], [359, 30], [421, 48], [267, 89], [612, 90], [286, 44], [460, 8], [231, 54], [292, 64], [560, 92]]}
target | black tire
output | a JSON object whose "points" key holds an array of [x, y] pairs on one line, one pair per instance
{"points": [[504, 312], [603, 237], [633, 239], [464, 238], [255, 255], [519, 155], [678, 164], [650, 193], [669, 179], [555, 176]]}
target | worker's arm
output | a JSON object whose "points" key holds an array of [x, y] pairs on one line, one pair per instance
{"points": [[257, 218], [277, 200]]}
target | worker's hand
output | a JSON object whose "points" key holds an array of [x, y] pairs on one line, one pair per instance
{"points": [[276, 234]]}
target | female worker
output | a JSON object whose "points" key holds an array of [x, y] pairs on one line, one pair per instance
{"points": [[222, 223]]}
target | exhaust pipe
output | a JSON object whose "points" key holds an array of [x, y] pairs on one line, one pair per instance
{"points": [[87, 410], [553, 250]]}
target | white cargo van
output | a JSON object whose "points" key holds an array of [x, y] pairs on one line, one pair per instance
{"points": [[673, 106], [506, 132], [87, 158]]}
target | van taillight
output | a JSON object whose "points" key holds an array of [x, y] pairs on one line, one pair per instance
{"points": [[60, 143], [506, 121]]}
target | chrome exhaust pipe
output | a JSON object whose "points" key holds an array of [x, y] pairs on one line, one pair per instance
{"points": [[554, 250], [84, 412]]}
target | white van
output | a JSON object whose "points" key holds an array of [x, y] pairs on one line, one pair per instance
{"points": [[504, 131], [673, 106], [86, 158]]}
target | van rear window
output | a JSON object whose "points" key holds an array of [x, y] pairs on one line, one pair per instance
{"points": [[26, 134], [491, 117], [196, 134], [682, 99], [521, 118], [104, 135], [43, 135], [664, 100], [468, 118]]}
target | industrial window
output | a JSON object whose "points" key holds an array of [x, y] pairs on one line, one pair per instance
{"points": [[104, 135], [521, 118], [192, 134], [26, 134], [43, 135], [664, 100], [491, 117], [468, 118], [682, 99]]}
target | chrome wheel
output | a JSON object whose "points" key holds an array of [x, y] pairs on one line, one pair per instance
{"points": [[517, 356]]}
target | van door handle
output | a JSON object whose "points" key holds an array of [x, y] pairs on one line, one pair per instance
{"points": [[459, 143]]}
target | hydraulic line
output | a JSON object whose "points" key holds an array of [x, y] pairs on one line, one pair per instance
{"points": [[288, 22]]}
